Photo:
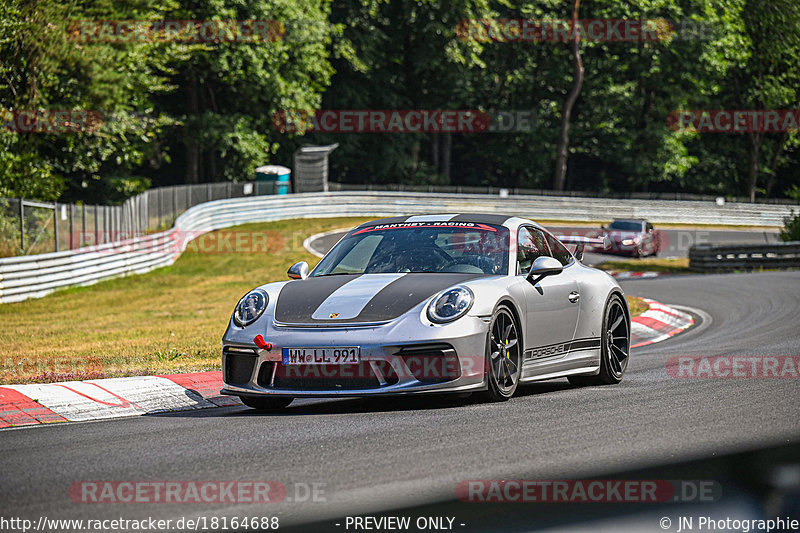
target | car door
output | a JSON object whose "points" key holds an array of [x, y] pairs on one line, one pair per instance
{"points": [[552, 304]]}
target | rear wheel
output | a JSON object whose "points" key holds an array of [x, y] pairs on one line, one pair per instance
{"points": [[615, 346], [266, 403], [503, 356]]}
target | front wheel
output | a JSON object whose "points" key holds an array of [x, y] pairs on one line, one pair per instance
{"points": [[615, 346], [266, 403], [503, 356]]}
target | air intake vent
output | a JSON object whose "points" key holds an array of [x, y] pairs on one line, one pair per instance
{"points": [[238, 368], [432, 363]]}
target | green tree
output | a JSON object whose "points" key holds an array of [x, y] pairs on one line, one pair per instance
{"points": [[770, 78], [46, 68], [228, 92], [400, 54]]}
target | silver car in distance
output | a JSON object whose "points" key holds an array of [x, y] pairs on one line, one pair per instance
{"points": [[429, 304]]}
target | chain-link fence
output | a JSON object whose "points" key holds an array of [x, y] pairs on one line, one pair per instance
{"points": [[28, 227]]}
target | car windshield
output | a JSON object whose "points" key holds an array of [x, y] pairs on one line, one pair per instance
{"points": [[626, 225], [465, 247]]}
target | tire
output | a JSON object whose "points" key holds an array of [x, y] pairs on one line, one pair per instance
{"points": [[615, 342], [266, 403], [503, 355]]}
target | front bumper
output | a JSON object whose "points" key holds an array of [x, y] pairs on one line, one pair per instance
{"points": [[397, 358]]}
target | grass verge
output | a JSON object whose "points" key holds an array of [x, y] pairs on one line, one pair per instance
{"points": [[166, 321], [648, 264], [636, 305]]}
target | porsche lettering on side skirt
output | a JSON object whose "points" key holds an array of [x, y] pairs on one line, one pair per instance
{"points": [[548, 351], [560, 349]]}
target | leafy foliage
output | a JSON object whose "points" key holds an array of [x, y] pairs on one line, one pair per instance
{"points": [[188, 112], [791, 228]]}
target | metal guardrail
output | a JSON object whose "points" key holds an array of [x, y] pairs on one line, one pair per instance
{"points": [[38, 275], [33, 228], [34, 276], [494, 189], [706, 257]]}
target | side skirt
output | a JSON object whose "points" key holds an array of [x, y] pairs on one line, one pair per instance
{"points": [[582, 358]]}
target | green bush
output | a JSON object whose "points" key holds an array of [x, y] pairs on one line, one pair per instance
{"points": [[9, 231], [791, 228]]}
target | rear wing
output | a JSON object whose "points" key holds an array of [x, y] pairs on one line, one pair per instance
{"points": [[581, 243]]}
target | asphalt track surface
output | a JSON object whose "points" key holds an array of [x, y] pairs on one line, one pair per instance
{"points": [[373, 456], [675, 242]]}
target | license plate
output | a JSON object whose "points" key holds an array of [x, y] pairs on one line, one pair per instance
{"points": [[339, 355]]}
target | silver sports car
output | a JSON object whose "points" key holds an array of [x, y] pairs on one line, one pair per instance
{"points": [[426, 304]]}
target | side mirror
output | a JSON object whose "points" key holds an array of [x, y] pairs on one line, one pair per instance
{"points": [[298, 270], [542, 267]]}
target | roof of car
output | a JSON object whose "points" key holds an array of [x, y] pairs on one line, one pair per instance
{"points": [[479, 218]]}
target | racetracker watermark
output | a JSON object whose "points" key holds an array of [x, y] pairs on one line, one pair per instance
{"points": [[735, 121], [437, 365], [629, 242], [203, 492], [50, 121], [216, 242], [564, 30], [587, 491], [727, 366], [48, 368], [177, 492], [404, 121], [175, 31]]}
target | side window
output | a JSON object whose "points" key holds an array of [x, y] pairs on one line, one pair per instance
{"points": [[530, 245], [649, 227], [558, 250]]}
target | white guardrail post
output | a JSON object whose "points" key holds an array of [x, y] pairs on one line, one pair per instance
{"points": [[35, 276]]}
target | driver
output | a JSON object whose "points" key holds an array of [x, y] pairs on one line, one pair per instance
{"points": [[408, 252], [421, 254]]}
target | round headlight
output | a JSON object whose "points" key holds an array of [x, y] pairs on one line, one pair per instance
{"points": [[450, 304], [250, 307]]}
